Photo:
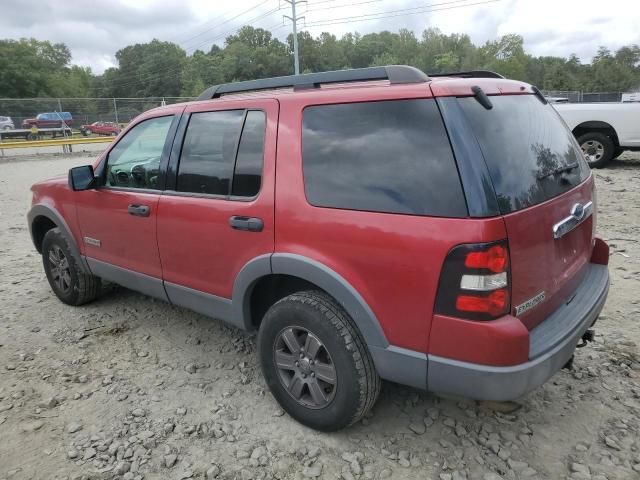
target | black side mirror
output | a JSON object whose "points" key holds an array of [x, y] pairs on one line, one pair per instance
{"points": [[81, 178]]}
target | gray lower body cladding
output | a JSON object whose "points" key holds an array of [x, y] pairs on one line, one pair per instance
{"points": [[552, 344]]}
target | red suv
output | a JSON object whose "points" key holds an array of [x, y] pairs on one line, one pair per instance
{"points": [[378, 223], [48, 120]]}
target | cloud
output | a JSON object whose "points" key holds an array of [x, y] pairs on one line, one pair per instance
{"points": [[95, 31]]}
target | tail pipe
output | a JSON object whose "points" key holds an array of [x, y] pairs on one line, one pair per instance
{"points": [[587, 337]]}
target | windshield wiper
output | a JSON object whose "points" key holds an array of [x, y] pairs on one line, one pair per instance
{"points": [[565, 168]]}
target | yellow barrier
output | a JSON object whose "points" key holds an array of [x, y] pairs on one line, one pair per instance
{"points": [[54, 143]]}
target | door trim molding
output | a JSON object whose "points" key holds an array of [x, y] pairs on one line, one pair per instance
{"points": [[206, 304], [139, 282]]}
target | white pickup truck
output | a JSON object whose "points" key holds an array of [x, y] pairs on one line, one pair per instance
{"points": [[603, 130]]}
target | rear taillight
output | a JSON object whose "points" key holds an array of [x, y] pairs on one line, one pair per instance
{"points": [[475, 282]]}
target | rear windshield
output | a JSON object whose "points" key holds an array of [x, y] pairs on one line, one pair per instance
{"points": [[530, 153]]}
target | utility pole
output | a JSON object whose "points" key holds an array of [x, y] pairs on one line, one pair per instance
{"points": [[294, 18]]}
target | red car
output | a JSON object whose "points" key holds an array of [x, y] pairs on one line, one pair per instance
{"points": [[49, 120], [101, 128], [378, 223]]}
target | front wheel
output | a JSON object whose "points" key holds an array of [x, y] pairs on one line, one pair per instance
{"points": [[66, 277], [315, 362], [598, 149]]}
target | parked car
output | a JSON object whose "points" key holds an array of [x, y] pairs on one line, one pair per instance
{"points": [[48, 120], [370, 224], [101, 128], [6, 123], [603, 130]]}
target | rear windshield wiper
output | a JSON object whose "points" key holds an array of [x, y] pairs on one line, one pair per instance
{"points": [[565, 168], [481, 97]]}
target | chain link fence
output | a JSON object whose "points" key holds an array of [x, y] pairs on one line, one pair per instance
{"points": [[576, 96], [123, 110], [83, 110]]}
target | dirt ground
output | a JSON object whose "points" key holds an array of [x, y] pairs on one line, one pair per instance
{"points": [[129, 387]]}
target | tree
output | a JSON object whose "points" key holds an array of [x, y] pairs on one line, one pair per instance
{"points": [[201, 70], [147, 69], [607, 73], [506, 56], [30, 68], [27, 67]]}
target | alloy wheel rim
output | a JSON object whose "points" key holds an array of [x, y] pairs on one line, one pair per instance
{"points": [[305, 368], [59, 267], [592, 150]]}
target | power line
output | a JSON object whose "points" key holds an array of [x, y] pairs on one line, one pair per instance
{"points": [[331, 7], [180, 41], [449, 5], [259, 4], [395, 13], [132, 79], [233, 30]]}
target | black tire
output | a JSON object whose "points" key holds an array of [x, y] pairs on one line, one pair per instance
{"points": [[598, 148], [357, 383], [66, 277]]}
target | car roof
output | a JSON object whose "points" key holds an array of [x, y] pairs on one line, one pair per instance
{"points": [[439, 85]]}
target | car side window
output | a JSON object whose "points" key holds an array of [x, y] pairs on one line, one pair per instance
{"points": [[208, 152], [135, 160], [387, 156], [247, 175], [216, 145]]}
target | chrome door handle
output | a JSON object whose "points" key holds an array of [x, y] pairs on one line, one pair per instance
{"points": [[139, 210], [250, 224]]}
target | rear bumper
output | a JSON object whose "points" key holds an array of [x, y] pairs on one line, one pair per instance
{"points": [[551, 345]]}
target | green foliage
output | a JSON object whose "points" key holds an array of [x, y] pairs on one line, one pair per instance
{"points": [[32, 68], [148, 68], [38, 68]]}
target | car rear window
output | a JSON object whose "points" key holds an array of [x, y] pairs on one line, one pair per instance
{"points": [[387, 156], [530, 153]]}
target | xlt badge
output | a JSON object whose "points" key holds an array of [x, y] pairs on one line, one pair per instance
{"points": [[92, 241], [529, 304]]}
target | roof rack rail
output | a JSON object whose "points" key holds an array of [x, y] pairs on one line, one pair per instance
{"points": [[469, 74], [394, 73]]}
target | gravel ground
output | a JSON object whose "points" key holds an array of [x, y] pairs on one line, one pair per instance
{"points": [[130, 388]]}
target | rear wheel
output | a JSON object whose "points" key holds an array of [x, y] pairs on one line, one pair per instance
{"points": [[598, 149], [67, 279], [316, 363]]}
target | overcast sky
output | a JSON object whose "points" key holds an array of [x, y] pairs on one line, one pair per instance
{"points": [[94, 31]]}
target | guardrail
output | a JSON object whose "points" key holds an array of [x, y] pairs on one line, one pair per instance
{"points": [[53, 143]]}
